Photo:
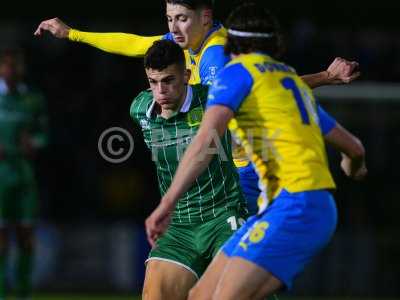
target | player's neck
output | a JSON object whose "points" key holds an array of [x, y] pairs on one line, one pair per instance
{"points": [[200, 42], [168, 113]]}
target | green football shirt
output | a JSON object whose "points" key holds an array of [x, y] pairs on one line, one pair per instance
{"points": [[21, 112], [217, 189]]}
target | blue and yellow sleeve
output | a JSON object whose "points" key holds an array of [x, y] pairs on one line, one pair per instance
{"points": [[227, 90], [211, 62], [115, 42], [168, 36]]}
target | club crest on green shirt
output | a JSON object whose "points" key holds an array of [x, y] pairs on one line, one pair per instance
{"points": [[194, 116], [144, 123]]}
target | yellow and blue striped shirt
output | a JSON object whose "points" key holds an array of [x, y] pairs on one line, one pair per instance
{"points": [[277, 123]]}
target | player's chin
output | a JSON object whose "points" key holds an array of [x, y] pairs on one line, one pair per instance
{"points": [[183, 44], [169, 106], [165, 102]]}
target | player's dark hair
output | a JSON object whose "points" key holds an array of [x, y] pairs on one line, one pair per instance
{"points": [[162, 54], [193, 4], [253, 18]]}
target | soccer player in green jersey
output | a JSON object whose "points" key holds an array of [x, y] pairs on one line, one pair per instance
{"points": [[169, 115], [22, 133]]}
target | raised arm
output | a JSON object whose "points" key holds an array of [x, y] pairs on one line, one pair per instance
{"points": [[117, 43], [340, 71]]}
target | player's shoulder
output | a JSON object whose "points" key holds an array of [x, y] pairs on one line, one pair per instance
{"points": [[258, 64], [236, 68], [200, 93], [199, 88], [215, 42], [141, 102], [143, 97], [215, 39], [251, 58], [218, 35]]}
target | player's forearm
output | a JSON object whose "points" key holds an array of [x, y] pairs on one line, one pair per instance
{"points": [[345, 142], [117, 43], [317, 79]]}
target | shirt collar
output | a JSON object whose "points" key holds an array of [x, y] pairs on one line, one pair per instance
{"points": [[185, 107]]}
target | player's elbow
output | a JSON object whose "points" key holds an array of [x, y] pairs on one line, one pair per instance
{"points": [[357, 150]]}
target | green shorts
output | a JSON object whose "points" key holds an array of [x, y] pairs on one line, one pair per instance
{"points": [[18, 195], [193, 246], [18, 203]]}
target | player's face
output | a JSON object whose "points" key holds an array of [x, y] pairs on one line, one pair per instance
{"points": [[9, 69], [187, 26], [168, 85]]}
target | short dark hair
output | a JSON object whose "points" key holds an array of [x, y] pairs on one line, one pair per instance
{"points": [[253, 18], [162, 54], [193, 4]]}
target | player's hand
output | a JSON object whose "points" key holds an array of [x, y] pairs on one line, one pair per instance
{"points": [[342, 71], [356, 170], [157, 223], [55, 26]]}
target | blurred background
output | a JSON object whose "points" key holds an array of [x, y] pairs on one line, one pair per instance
{"points": [[90, 236]]}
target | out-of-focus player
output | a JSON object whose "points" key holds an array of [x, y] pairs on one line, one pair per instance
{"points": [[273, 114], [192, 27], [23, 124]]}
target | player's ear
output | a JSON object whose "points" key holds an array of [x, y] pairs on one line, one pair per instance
{"points": [[187, 76], [206, 16]]}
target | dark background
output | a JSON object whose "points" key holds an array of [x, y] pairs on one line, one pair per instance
{"points": [[88, 91]]}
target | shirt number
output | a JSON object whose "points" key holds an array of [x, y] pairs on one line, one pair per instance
{"points": [[289, 84], [234, 222]]}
